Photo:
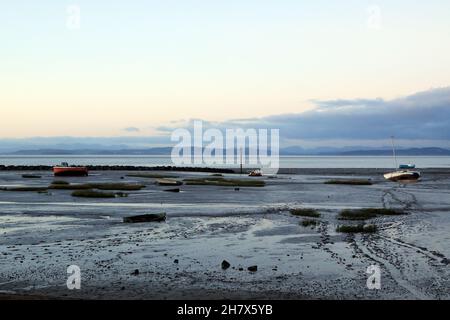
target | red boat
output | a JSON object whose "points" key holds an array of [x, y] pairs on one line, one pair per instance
{"points": [[65, 170]]}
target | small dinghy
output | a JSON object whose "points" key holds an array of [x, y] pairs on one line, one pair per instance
{"points": [[407, 166], [152, 217], [255, 173]]}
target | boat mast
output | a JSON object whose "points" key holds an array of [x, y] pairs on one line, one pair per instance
{"points": [[241, 158], [393, 152]]}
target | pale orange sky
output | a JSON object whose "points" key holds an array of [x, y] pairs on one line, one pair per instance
{"points": [[236, 62]]}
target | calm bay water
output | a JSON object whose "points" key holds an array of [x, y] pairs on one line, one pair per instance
{"points": [[285, 161]]}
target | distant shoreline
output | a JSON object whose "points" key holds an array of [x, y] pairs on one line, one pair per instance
{"points": [[120, 168], [288, 151], [304, 171]]}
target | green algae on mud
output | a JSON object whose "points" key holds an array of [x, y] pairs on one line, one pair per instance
{"points": [[219, 181], [305, 212], [151, 175], [92, 194], [31, 176], [60, 182], [100, 186], [368, 213], [308, 222], [24, 189], [353, 182], [360, 228]]}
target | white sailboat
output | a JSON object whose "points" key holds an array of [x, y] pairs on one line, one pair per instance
{"points": [[401, 175]]}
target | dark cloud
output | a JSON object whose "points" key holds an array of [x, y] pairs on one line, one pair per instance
{"points": [[424, 115]]}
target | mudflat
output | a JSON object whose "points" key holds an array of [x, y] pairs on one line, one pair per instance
{"points": [[43, 232]]}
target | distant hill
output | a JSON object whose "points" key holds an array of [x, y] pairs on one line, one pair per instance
{"points": [[48, 152], [401, 152], [291, 151]]}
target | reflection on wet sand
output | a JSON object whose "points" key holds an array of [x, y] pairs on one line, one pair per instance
{"points": [[44, 233]]}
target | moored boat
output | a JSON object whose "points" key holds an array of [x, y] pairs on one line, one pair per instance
{"points": [[402, 175], [255, 173], [65, 170]]}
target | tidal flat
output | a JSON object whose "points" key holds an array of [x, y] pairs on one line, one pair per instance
{"points": [[42, 233]]}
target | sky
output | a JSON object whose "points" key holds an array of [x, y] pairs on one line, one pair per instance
{"points": [[132, 68]]}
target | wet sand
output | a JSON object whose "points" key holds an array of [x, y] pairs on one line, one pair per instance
{"points": [[43, 233]]}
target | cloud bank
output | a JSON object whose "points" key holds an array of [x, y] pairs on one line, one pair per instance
{"points": [[423, 119], [421, 116]]}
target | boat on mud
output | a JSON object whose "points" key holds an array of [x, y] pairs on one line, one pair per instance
{"points": [[405, 174], [402, 175], [65, 170]]}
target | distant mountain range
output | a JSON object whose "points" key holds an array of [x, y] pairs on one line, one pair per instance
{"points": [[149, 151], [289, 151], [401, 152]]}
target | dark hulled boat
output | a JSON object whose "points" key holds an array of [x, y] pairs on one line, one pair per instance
{"points": [[65, 170]]}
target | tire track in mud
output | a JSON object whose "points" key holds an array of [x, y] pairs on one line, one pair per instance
{"points": [[409, 201], [363, 250], [432, 255], [392, 253], [408, 264], [378, 255], [325, 239], [408, 206], [390, 274]]}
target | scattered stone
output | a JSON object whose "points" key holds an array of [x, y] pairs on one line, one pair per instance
{"points": [[175, 261], [252, 268], [225, 264], [135, 272]]}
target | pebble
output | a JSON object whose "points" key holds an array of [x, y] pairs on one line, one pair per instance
{"points": [[225, 264]]}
